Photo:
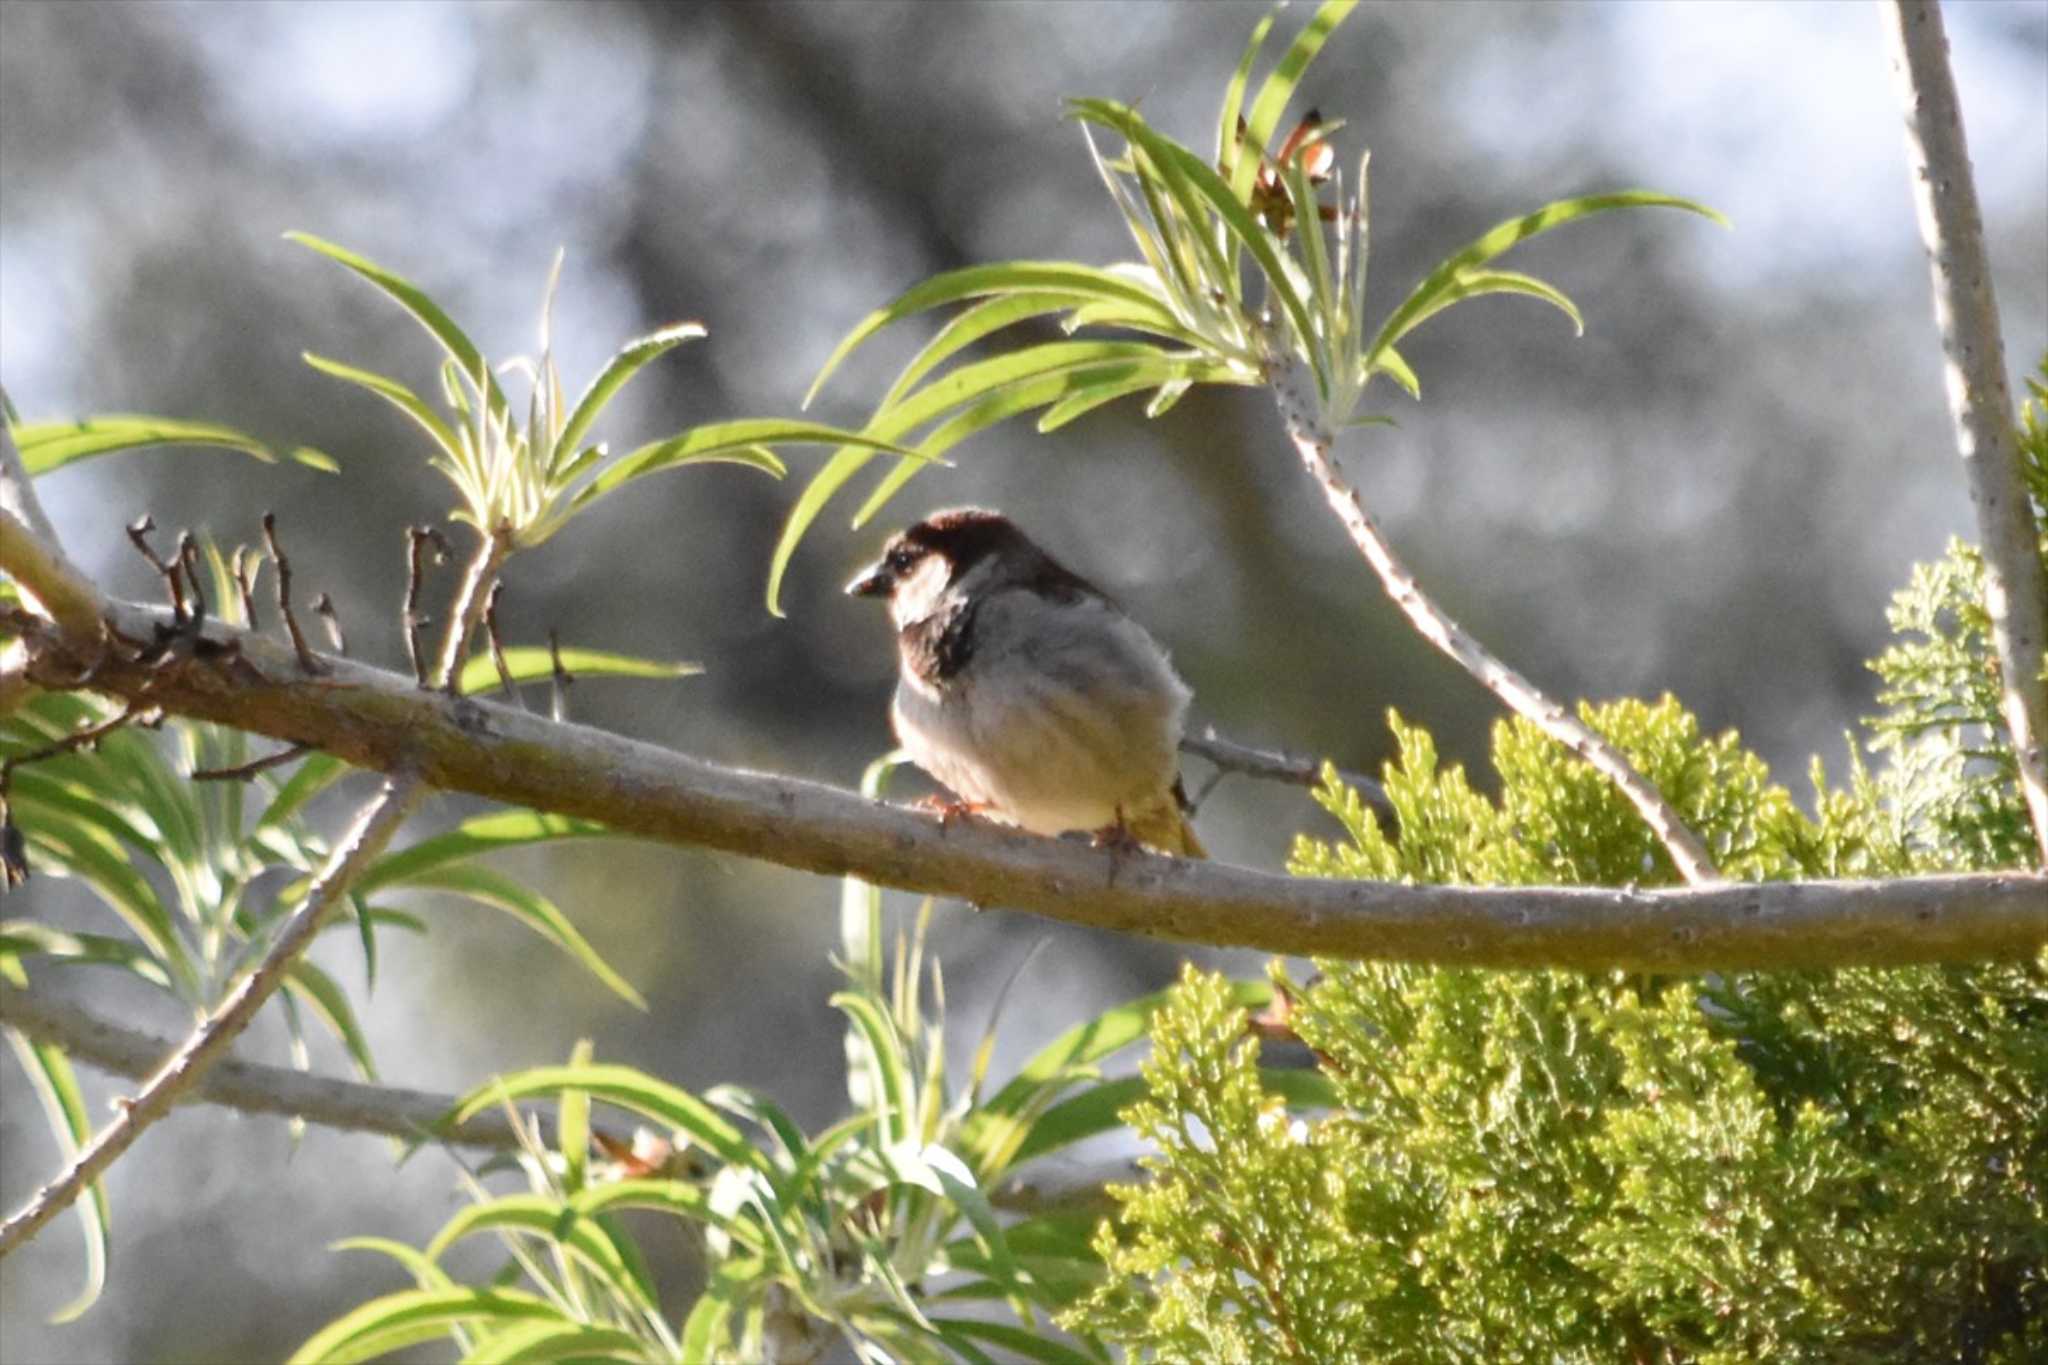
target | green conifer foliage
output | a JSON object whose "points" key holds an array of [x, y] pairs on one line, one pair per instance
{"points": [[1846, 1166]]}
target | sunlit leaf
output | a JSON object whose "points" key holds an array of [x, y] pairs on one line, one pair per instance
{"points": [[1031, 1346], [533, 1343], [620, 368], [429, 1275], [893, 1086], [478, 835], [1424, 299], [56, 1086], [528, 663], [1229, 141], [394, 393], [1079, 282], [529, 907], [46, 446], [314, 987], [741, 442], [461, 350], [628, 1089], [395, 1321], [542, 1216], [1278, 89]]}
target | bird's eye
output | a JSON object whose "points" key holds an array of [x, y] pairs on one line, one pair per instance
{"points": [[899, 559]]}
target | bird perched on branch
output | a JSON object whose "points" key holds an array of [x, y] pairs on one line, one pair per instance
{"points": [[1025, 690]]}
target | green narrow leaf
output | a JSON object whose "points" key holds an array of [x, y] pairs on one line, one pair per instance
{"points": [[893, 1085], [969, 326], [1200, 187], [533, 1343], [47, 446], [315, 773], [953, 389], [394, 393], [315, 987], [125, 891], [56, 1086], [474, 837], [1228, 141], [1471, 284], [1081, 282], [461, 350], [613, 377], [527, 663], [1422, 300], [1390, 362], [428, 1275], [396, 1321], [572, 1124], [1014, 1339], [33, 938], [1278, 89], [628, 1089], [741, 442], [1017, 397], [529, 907], [542, 1216], [704, 1333]]}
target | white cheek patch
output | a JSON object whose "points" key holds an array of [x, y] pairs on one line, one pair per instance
{"points": [[917, 596]]}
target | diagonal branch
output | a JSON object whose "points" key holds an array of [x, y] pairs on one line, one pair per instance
{"points": [[1294, 390], [1966, 312], [209, 1042], [257, 1089], [384, 721]]}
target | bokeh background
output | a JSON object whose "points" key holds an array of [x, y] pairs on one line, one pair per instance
{"points": [[1712, 493]]}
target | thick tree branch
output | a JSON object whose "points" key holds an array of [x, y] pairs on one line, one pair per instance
{"points": [[384, 721], [210, 1041], [1966, 312], [1294, 391], [65, 595], [257, 1089]]}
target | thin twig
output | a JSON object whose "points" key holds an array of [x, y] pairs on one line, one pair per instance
{"points": [[381, 721], [1271, 765], [77, 739], [33, 554], [417, 541], [209, 1043], [243, 772], [188, 560], [1294, 391], [308, 661], [168, 570], [1966, 312], [254, 1088], [505, 682], [244, 567], [323, 607]]}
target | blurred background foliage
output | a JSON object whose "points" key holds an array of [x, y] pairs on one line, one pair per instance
{"points": [[1713, 492]]}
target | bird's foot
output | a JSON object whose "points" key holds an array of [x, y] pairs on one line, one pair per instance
{"points": [[1118, 838], [951, 810]]}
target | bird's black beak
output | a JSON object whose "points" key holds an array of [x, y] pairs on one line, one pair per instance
{"points": [[873, 581]]}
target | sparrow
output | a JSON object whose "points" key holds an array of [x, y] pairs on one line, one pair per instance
{"points": [[1025, 690]]}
